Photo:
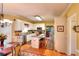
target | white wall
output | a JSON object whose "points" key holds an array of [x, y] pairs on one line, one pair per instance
{"points": [[7, 31], [60, 38]]}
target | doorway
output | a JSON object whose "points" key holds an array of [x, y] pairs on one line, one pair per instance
{"points": [[71, 34]]}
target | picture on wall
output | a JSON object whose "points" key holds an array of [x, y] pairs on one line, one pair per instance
{"points": [[76, 28], [60, 28]]}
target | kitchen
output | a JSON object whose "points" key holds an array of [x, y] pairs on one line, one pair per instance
{"points": [[17, 28], [32, 26]]}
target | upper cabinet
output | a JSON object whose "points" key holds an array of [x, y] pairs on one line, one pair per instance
{"points": [[20, 25]]}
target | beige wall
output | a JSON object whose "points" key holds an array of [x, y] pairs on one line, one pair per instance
{"points": [[60, 37]]}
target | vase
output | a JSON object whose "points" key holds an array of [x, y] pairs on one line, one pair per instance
{"points": [[2, 43]]}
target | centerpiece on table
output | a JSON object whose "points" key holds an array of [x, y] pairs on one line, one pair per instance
{"points": [[2, 38]]}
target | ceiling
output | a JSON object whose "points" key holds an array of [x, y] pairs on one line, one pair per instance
{"points": [[46, 10]]}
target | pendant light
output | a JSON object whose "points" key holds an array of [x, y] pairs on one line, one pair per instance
{"points": [[4, 22], [2, 15]]}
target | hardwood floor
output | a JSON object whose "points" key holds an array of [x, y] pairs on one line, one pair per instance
{"points": [[26, 49]]}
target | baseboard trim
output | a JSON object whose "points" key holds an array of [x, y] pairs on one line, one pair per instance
{"points": [[61, 52], [65, 53]]}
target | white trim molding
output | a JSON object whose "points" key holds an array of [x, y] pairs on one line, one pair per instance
{"points": [[69, 49]]}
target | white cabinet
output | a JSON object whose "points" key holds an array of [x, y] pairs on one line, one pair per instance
{"points": [[20, 25]]}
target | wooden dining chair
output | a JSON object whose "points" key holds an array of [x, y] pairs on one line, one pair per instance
{"points": [[16, 50]]}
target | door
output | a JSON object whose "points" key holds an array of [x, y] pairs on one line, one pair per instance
{"points": [[71, 34]]}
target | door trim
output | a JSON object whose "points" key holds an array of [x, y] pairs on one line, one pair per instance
{"points": [[69, 39]]}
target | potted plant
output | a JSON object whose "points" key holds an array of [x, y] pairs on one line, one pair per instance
{"points": [[2, 38]]}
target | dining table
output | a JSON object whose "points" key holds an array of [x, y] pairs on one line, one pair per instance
{"points": [[4, 51]]}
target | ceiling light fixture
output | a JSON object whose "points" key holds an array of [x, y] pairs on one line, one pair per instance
{"points": [[3, 22], [38, 18]]}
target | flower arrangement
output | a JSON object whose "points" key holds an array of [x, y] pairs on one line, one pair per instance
{"points": [[2, 37]]}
